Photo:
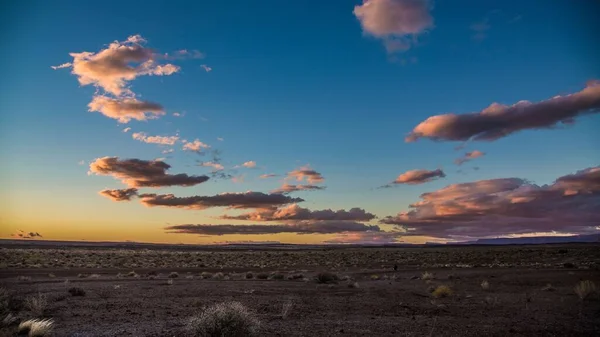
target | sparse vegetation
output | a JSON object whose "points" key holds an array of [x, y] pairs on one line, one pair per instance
{"points": [[36, 327], [548, 287], [287, 308], [327, 278], [37, 304], [218, 276], [76, 291], [229, 319], [174, 274], [277, 276], [485, 285], [352, 284], [104, 292], [262, 276], [170, 281], [585, 289], [249, 275], [8, 320], [24, 278], [442, 291], [132, 274], [206, 275], [427, 276]]}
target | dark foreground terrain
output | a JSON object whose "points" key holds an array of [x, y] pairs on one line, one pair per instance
{"points": [[133, 292]]}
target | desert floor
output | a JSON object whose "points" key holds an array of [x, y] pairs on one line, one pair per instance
{"points": [[128, 292]]}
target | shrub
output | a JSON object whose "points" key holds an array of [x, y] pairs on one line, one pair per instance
{"points": [[585, 289], [228, 319], [374, 277], [8, 320], [218, 276], [5, 296], [206, 275], [485, 285], [427, 276], [277, 276], [262, 276], [548, 287], [442, 291], [249, 275], [326, 278], [76, 291], [37, 304], [51, 275], [104, 292], [170, 282], [82, 275], [36, 327], [132, 274], [352, 284], [295, 277], [287, 308], [568, 265], [174, 274], [24, 278]]}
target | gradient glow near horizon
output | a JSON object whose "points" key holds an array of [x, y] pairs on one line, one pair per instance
{"points": [[300, 122]]}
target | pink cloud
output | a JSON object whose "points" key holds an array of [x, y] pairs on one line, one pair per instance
{"points": [[415, 177], [318, 227], [214, 165], [498, 207], [396, 22], [125, 109], [249, 164], [230, 200], [295, 212], [468, 156], [498, 120], [287, 188], [268, 175], [195, 145], [305, 172]]}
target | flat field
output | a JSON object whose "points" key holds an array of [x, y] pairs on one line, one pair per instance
{"points": [[491, 290]]}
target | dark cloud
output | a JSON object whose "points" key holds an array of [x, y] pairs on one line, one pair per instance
{"points": [[506, 206], [498, 121], [287, 188], [230, 200], [295, 212], [120, 195], [303, 227], [415, 177], [26, 235], [305, 172], [142, 173]]}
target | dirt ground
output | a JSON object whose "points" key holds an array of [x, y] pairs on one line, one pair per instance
{"points": [[530, 291]]}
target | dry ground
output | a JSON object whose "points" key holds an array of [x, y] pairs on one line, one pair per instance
{"points": [[386, 303]]}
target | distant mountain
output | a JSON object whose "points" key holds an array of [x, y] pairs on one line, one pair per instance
{"points": [[534, 240]]}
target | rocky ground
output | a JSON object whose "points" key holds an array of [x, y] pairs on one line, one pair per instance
{"points": [[531, 290]]}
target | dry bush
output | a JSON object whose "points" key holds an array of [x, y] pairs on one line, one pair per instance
{"points": [[36, 327], [206, 275], [218, 276], [327, 278], [170, 281], [82, 275], [375, 277], [548, 287], [585, 289], [51, 275], [277, 276], [5, 296], [132, 274], [228, 319], [442, 291], [485, 285], [295, 277], [174, 274], [249, 275], [37, 304], [287, 308], [352, 284], [24, 278], [76, 291], [262, 276], [8, 320], [427, 276], [104, 293]]}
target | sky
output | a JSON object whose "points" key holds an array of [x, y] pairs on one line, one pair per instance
{"points": [[375, 121]]}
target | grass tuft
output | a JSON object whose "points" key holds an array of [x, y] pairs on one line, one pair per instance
{"points": [[327, 278], [228, 319], [585, 289], [442, 291], [36, 327], [485, 285], [37, 304]]}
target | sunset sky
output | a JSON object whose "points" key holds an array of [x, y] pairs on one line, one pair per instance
{"points": [[299, 121]]}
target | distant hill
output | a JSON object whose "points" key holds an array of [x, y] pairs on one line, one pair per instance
{"points": [[534, 240]]}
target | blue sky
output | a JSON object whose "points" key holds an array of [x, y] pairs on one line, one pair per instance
{"points": [[292, 83]]}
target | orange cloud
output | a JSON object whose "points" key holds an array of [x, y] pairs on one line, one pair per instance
{"points": [[295, 212], [468, 156], [125, 109], [195, 145]]}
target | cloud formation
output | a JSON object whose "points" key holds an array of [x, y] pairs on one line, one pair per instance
{"points": [[125, 109], [295, 212], [162, 140], [287, 188], [366, 238], [268, 175], [415, 177], [206, 68], [397, 22], [249, 164], [26, 235], [239, 200], [120, 195], [215, 166], [121, 62], [498, 207], [302, 227], [305, 172], [142, 173], [468, 156], [498, 120], [195, 146]]}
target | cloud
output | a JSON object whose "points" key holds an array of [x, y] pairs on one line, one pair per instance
{"points": [[121, 62], [81, 162], [162, 140], [236, 200], [206, 68], [195, 145], [506, 206], [183, 54], [120, 195], [268, 175], [366, 238], [125, 109], [305, 172], [61, 66], [126, 130], [249, 164], [415, 177], [214, 165], [220, 139], [142, 173], [397, 22], [468, 156], [295, 212], [287, 188], [498, 121], [167, 151], [178, 114], [480, 29], [26, 235], [238, 179], [302, 227]]}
